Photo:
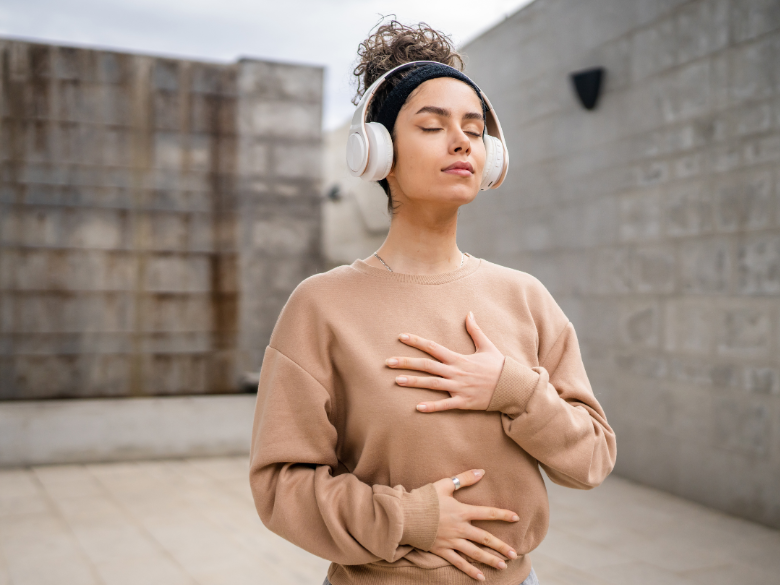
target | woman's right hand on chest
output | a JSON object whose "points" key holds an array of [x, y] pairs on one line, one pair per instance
{"points": [[456, 533]]}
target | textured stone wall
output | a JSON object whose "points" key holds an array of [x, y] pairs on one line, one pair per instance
{"points": [[145, 210], [654, 220]]}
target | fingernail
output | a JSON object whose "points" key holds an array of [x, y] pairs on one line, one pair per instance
{"points": [[401, 379], [512, 554], [403, 336], [471, 315], [421, 407], [391, 362], [481, 577], [515, 518], [502, 565], [478, 473]]}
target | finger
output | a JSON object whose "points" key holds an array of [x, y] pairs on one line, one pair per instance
{"points": [[462, 564], [481, 340], [438, 351], [484, 537], [422, 364], [466, 478], [480, 555], [488, 513], [439, 405], [469, 477], [442, 384]]}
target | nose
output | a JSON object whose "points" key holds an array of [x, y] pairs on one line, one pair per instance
{"points": [[461, 143]]}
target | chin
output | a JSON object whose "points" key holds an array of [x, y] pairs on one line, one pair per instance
{"points": [[446, 192], [461, 194]]}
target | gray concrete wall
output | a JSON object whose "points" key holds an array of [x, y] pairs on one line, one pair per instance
{"points": [[355, 220], [280, 171], [154, 214], [654, 220], [123, 429]]}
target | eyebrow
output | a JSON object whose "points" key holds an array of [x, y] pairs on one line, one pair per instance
{"points": [[446, 113]]}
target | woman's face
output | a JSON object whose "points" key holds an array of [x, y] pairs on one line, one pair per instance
{"points": [[440, 124]]}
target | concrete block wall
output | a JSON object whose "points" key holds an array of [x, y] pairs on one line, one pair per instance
{"points": [[139, 198], [280, 170], [654, 220]]}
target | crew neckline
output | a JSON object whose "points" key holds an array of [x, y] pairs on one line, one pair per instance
{"points": [[470, 264]]}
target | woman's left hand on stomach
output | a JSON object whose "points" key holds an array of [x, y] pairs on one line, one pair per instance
{"points": [[469, 379]]}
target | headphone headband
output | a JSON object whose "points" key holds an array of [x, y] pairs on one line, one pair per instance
{"points": [[359, 145]]}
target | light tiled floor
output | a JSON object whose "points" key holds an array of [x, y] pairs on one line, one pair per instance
{"points": [[625, 534], [193, 522]]}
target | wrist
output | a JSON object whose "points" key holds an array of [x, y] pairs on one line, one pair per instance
{"points": [[515, 386], [492, 392], [420, 517]]}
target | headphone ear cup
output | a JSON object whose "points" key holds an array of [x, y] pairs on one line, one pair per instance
{"points": [[380, 153], [356, 154], [494, 162]]}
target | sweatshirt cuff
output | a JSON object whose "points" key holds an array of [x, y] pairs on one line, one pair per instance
{"points": [[514, 389], [421, 517]]}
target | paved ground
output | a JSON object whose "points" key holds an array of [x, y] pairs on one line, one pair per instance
{"points": [[193, 522]]}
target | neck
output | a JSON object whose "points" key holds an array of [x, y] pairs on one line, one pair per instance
{"points": [[421, 241]]}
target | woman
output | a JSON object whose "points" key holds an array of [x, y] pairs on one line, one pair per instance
{"points": [[406, 401]]}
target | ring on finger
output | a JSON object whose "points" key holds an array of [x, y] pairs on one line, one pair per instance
{"points": [[456, 481]]}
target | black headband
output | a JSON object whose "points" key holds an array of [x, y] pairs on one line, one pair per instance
{"points": [[399, 94]]}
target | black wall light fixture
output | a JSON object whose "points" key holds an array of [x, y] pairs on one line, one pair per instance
{"points": [[587, 85]]}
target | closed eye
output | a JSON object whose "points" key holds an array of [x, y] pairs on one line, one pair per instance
{"points": [[435, 129]]}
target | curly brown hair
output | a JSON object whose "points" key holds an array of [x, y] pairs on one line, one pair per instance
{"points": [[394, 44]]}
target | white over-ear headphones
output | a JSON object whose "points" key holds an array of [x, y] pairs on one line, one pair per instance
{"points": [[370, 147]]}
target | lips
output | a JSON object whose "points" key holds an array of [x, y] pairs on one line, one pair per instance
{"points": [[460, 168]]}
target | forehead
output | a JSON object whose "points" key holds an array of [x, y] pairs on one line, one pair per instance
{"points": [[445, 92]]}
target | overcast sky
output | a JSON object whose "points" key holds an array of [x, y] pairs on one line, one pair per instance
{"points": [[321, 32]]}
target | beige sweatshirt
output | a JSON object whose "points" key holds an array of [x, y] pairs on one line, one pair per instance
{"points": [[342, 463]]}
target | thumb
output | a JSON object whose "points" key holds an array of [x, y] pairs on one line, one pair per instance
{"points": [[481, 341]]}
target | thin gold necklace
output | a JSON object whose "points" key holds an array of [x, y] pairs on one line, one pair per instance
{"points": [[462, 258]]}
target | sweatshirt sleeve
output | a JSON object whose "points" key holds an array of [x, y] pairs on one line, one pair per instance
{"points": [[550, 410], [296, 488]]}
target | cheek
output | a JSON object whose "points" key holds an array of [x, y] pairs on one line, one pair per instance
{"points": [[415, 158]]}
